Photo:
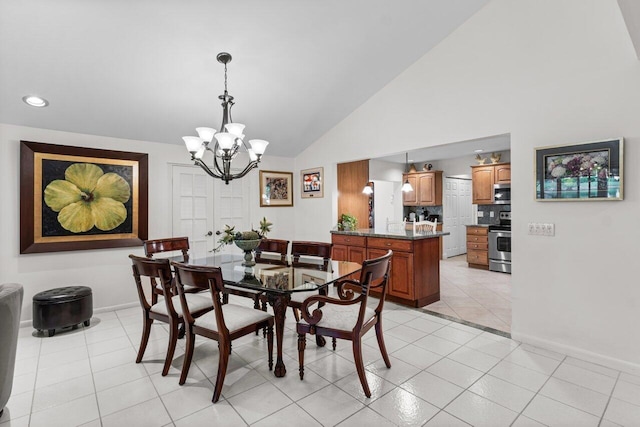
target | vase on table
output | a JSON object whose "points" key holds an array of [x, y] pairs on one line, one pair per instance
{"points": [[248, 246]]}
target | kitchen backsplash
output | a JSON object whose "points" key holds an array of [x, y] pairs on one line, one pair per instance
{"points": [[486, 213], [427, 210]]}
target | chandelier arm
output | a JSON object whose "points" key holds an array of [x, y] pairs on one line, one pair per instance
{"points": [[206, 168], [252, 164]]}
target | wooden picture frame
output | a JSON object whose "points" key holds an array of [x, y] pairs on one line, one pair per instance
{"points": [[276, 188], [587, 171], [75, 198], [312, 183]]}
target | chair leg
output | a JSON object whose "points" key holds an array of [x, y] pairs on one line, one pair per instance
{"points": [[270, 345], [171, 349], [383, 348], [302, 344], [188, 354], [225, 298], [146, 331], [333, 343], [223, 361], [296, 313], [357, 355]]}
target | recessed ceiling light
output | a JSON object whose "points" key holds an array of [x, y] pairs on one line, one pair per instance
{"points": [[478, 151], [35, 101]]}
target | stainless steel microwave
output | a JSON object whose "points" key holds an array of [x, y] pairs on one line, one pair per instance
{"points": [[502, 194]]}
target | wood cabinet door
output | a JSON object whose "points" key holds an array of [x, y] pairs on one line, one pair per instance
{"points": [[357, 254], [340, 253], [502, 174], [482, 183], [410, 198], [426, 189], [401, 275]]}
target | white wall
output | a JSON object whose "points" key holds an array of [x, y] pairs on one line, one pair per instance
{"points": [[547, 72], [106, 271]]}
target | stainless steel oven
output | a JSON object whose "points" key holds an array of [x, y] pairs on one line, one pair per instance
{"points": [[500, 244]]}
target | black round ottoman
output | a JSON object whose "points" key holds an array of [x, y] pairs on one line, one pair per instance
{"points": [[62, 307]]}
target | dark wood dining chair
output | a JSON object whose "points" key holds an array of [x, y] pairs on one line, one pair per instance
{"points": [[313, 255], [224, 324], [348, 317], [169, 244], [169, 310], [272, 251]]}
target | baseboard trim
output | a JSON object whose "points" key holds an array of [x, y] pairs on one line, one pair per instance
{"points": [[25, 323], [578, 353]]}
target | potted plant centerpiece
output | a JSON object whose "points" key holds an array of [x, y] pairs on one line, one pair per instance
{"points": [[347, 222], [248, 241]]}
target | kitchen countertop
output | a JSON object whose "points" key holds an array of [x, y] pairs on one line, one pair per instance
{"points": [[406, 235]]}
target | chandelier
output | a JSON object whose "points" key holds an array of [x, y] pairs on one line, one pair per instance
{"points": [[228, 141]]}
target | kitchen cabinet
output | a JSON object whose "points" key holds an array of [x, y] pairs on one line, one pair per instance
{"points": [[478, 247], [427, 189], [349, 248], [414, 275], [483, 177]]}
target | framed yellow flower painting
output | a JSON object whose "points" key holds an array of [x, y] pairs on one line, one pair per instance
{"points": [[74, 198]]}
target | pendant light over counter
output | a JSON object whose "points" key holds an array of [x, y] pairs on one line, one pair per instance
{"points": [[406, 187]]}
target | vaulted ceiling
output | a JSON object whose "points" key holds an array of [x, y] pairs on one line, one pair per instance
{"points": [[147, 69]]}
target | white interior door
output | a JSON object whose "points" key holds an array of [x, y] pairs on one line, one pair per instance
{"points": [[232, 208], [466, 210], [450, 218], [193, 208], [457, 210]]}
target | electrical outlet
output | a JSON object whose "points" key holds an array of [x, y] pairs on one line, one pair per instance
{"points": [[480, 214], [492, 214], [541, 229]]}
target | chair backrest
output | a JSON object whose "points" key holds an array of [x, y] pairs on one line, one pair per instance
{"points": [[202, 277], [272, 246], [169, 244], [425, 226], [316, 250], [158, 271], [375, 274], [396, 226]]}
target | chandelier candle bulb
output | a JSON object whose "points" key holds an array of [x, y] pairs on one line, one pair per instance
{"points": [[225, 140], [259, 146], [193, 143], [206, 134], [236, 129]]}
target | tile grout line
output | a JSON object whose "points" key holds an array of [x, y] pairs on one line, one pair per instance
{"points": [[93, 380], [610, 397], [541, 387]]}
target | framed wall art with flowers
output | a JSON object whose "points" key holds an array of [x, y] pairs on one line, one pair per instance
{"points": [[75, 198], [580, 172]]}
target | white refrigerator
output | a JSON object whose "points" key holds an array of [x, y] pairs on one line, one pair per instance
{"points": [[387, 203]]}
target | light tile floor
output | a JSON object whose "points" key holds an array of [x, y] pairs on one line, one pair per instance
{"points": [[443, 374], [478, 296]]}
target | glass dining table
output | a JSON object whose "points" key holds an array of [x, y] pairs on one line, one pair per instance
{"points": [[278, 282]]}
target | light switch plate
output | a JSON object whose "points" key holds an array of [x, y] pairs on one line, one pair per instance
{"points": [[480, 214]]}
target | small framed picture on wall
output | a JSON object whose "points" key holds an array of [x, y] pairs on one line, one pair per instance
{"points": [[312, 183]]}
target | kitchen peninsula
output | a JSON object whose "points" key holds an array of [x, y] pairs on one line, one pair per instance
{"points": [[415, 267]]}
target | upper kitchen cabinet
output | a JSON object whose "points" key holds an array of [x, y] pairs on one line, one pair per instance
{"points": [[502, 173], [427, 189], [483, 177]]}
